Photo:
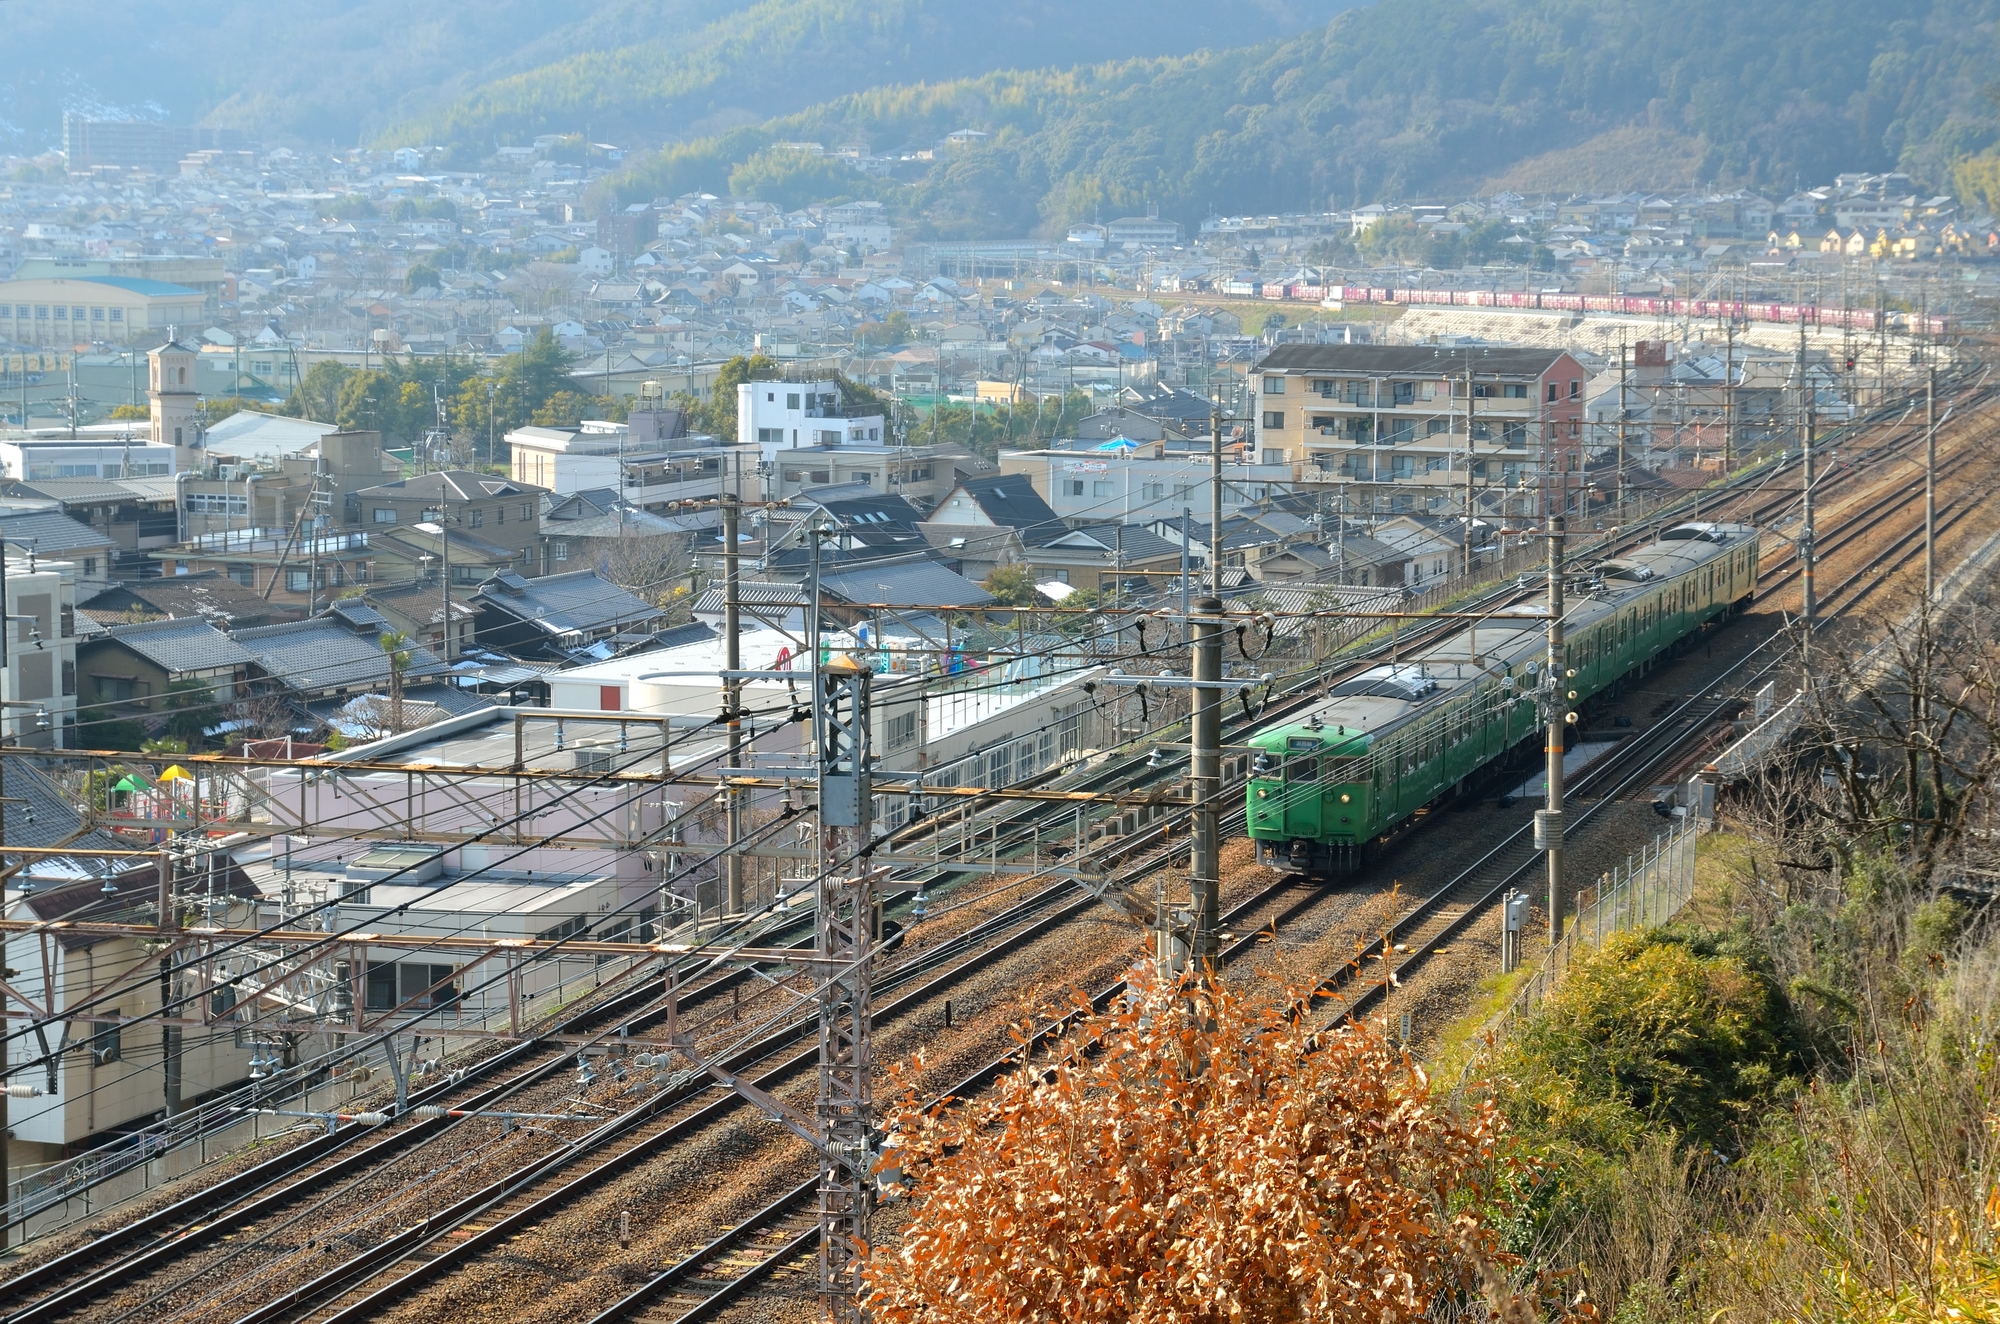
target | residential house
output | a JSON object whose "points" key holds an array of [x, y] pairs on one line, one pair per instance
{"points": [[417, 609], [138, 515], [126, 672], [499, 512], [558, 616], [41, 529], [210, 596], [333, 655]]}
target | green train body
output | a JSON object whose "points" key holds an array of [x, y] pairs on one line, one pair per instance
{"points": [[1401, 736]]}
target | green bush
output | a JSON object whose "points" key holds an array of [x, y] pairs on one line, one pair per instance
{"points": [[1679, 1030]]}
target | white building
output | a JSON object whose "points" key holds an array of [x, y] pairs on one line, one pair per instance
{"points": [[777, 416], [988, 726], [632, 458], [34, 461], [1139, 485], [39, 681]]}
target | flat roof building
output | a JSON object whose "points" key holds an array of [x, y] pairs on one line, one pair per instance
{"points": [[62, 312]]}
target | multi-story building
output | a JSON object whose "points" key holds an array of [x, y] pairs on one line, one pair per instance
{"points": [[781, 416], [639, 459], [67, 311], [1397, 426]]}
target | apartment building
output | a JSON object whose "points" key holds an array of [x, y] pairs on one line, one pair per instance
{"points": [[1397, 425], [780, 416]]}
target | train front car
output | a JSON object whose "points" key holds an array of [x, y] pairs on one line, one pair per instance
{"points": [[1309, 807]]}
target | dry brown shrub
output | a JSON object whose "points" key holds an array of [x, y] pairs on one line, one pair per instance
{"points": [[1198, 1155]]}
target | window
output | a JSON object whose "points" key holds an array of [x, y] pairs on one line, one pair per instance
{"points": [[118, 315], [1552, 391], [499, 514], [244, 575], [1403, 393], [559, 551], [1154, 492], [89, 567], [1274, 455], [1482, 431], [1100, 489], [792, 400], [41, 310], [298, 581], [862, 476], [902, 730], [610, 698], [1401, 466], [1575, 389], [920, 474], [770, 436], [1274, 419], [116, 689], [1062, 576], [1518, 391], [1073, 487], [470, 574], [69, 678], [1361, 431], [1396, 431], [97, 314], [1274, 386], [527, 510], [1514, 434], [1437, 425], [429, 515], [383, 515], [478, 519]]}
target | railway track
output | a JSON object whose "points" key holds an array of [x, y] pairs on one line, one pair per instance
{"points": [[757, 1246]]}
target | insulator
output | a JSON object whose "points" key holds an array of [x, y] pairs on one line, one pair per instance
{"points": [[429, 1112], [23, 1091], [370, 1119]]}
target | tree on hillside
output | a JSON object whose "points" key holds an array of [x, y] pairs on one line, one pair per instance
{"points": [[1196, 1155]]}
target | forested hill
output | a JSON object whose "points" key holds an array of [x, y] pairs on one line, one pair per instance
{"points": [[637, 82], [1406, 98]]}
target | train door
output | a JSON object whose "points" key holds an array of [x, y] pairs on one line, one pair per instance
{"points": [[1302, 790]]}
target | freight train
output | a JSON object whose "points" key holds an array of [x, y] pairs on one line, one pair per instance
{"points": [[1411, 732]]}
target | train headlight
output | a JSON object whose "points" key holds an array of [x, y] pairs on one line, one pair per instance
{"points": [[1572, 694], [1570, 718], [1344, 797], [1260, 792]]}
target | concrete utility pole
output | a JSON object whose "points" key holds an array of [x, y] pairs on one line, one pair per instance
{"points": [[1623, 414], [1729, 396], [6, 972], [845, 939], [1205, 861], [1808, 605], [1555, 685], [732, 697], [1215, 502], [1930, 485], [1471, 508]]}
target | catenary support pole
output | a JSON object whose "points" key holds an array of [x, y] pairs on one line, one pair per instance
{"points": [[732, 696], [1808, 604], [1930, 485], [1549, 823], [1215, 504], [1205, 871], [845, 937]]}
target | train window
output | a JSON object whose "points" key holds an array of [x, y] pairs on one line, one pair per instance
{"points": [[1302, 770]]}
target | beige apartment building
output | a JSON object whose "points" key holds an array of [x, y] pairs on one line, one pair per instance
{"points": [[1395, 426], [63, 312]]}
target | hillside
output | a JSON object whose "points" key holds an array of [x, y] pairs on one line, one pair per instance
{"points": [[636, 71], [1406, 98], [779, 56]]}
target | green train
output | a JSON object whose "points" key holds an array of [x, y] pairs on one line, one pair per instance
{"points": [[1404, 735]]}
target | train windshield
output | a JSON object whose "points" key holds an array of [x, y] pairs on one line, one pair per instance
{"points": [[1302, 770]]}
